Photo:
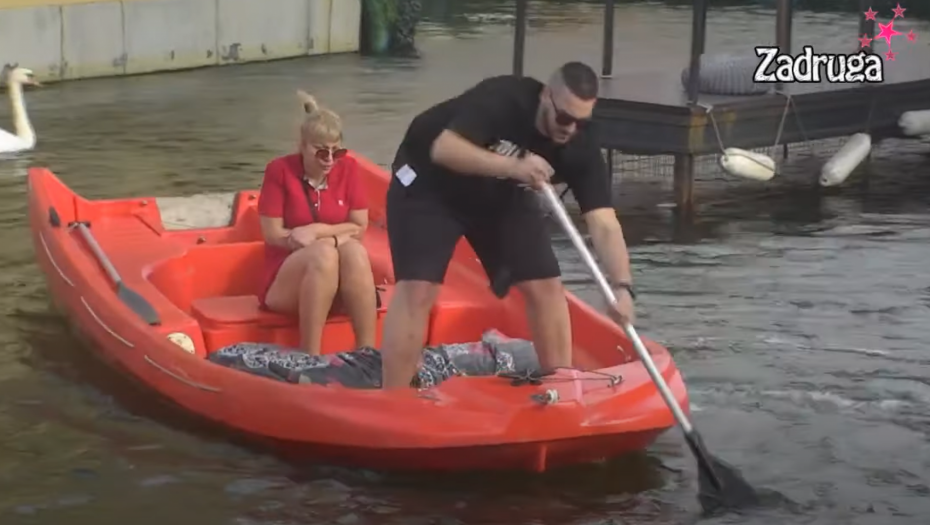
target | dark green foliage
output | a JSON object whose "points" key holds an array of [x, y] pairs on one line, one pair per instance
{"points": [[389, 27]]}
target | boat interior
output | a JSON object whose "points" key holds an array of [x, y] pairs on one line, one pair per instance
{"points": [[197, 260]]}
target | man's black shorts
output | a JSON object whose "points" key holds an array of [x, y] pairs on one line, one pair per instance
{"points": [[503, 222]]}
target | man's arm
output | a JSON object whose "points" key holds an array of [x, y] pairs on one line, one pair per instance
{"points": [[482, 116], [587, 176], [609, 244], [453, 151]]}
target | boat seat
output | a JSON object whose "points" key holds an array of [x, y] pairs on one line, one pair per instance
{"points": [[237, 309], [230, 319], [245, 309]]}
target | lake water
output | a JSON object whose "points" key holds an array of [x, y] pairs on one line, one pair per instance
{"points": [[793, 313]]}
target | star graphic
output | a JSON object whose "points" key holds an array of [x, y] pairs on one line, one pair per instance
{"points": [[870, 15], [912, 36], [899, 11], [889, 56], [887, 32], [866, 41]]}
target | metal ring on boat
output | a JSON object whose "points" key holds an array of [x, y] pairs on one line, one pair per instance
{"points": [[549, 397]]}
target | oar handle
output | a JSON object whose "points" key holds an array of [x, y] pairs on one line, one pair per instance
{"points": [[98, 253], [566, 222]]}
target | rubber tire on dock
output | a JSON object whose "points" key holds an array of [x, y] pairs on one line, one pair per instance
{"points": [[727, 75]]}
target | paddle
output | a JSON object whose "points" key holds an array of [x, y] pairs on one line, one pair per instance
{"points": [[720, 486], [127, 295]]}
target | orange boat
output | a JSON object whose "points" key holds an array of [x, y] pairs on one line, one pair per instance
{"points": [[187, 295]]}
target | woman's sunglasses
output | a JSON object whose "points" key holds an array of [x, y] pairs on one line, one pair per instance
{"points": [[565, 119], [325, 154]]}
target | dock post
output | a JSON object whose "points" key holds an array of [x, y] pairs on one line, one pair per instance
{"points": [[866, 27], [519, 38], [683, 169], [784, 15], [607, 54], [683, 172], [698, 39], [610, 165]]}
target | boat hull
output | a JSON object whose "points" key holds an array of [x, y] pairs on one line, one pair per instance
{"points": [[606, 407]]}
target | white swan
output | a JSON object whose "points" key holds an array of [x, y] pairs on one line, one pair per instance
{"points": [[24, 137]]}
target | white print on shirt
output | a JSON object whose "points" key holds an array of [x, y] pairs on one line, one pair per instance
{"points": [[507, 148]]}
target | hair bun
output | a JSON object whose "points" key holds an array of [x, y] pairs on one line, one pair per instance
{"points": [[308, 100]]}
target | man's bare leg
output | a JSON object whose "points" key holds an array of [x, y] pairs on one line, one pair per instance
{"points": [[549, 321], [405, 326]]}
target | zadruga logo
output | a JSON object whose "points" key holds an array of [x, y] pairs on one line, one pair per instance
{"points": [[816, 67], [846, 69]]}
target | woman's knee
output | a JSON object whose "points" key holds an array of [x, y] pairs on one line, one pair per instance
{"points": [[321, 257], [354, 261]]}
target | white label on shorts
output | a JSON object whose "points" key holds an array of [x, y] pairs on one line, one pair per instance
{"points": [[406, 175]]}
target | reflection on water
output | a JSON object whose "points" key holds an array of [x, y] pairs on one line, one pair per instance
{"points": [[796, 315]]}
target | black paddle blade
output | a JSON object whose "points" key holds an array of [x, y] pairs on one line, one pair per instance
{"points": [[721, 487], [137, 304]]}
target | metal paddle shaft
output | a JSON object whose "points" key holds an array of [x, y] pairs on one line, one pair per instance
{"points": [[127, 295], [98, 253], [727, 488], [611, 297]]}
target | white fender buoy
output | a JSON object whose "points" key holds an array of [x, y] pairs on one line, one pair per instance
{"points": [[915, 123], [747, 164], [845, 160], [183, 340]]}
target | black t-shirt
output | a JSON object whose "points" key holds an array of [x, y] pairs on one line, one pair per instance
{"points": [[495, 112]]}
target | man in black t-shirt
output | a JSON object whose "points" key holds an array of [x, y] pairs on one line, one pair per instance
{"points": [[467, 167]]}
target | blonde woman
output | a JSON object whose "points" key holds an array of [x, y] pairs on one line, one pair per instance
{"points": [[314, 211]]}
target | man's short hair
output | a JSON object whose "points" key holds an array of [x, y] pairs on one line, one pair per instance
{"points": [[578, 78]]}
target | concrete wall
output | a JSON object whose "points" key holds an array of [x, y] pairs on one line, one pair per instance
{"points": [[68, 39]]}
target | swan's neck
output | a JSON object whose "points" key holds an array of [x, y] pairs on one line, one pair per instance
{"points": [[21, 124]]}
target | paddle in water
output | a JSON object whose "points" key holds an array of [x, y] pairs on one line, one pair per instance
{"points": [[721, 487]]}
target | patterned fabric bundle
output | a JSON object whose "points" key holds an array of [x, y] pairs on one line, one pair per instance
{"points": [[495, 354]]}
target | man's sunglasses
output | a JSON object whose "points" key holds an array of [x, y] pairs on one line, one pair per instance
{"points": [[565, 119], [325, 154]]}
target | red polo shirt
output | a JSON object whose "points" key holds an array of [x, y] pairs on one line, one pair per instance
{"points": [[284, 195]]}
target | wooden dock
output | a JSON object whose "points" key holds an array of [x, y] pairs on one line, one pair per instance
{"points": [[652, 114]]}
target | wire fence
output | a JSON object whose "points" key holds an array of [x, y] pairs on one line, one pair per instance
{"points": [[647, 181], [707, 167]]}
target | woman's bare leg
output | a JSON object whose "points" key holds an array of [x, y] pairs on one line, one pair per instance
{"points": [[306, 285], [357, 291], [317, 291]]}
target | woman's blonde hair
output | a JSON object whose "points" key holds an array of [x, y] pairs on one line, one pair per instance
{"points": [[320, 124]]}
